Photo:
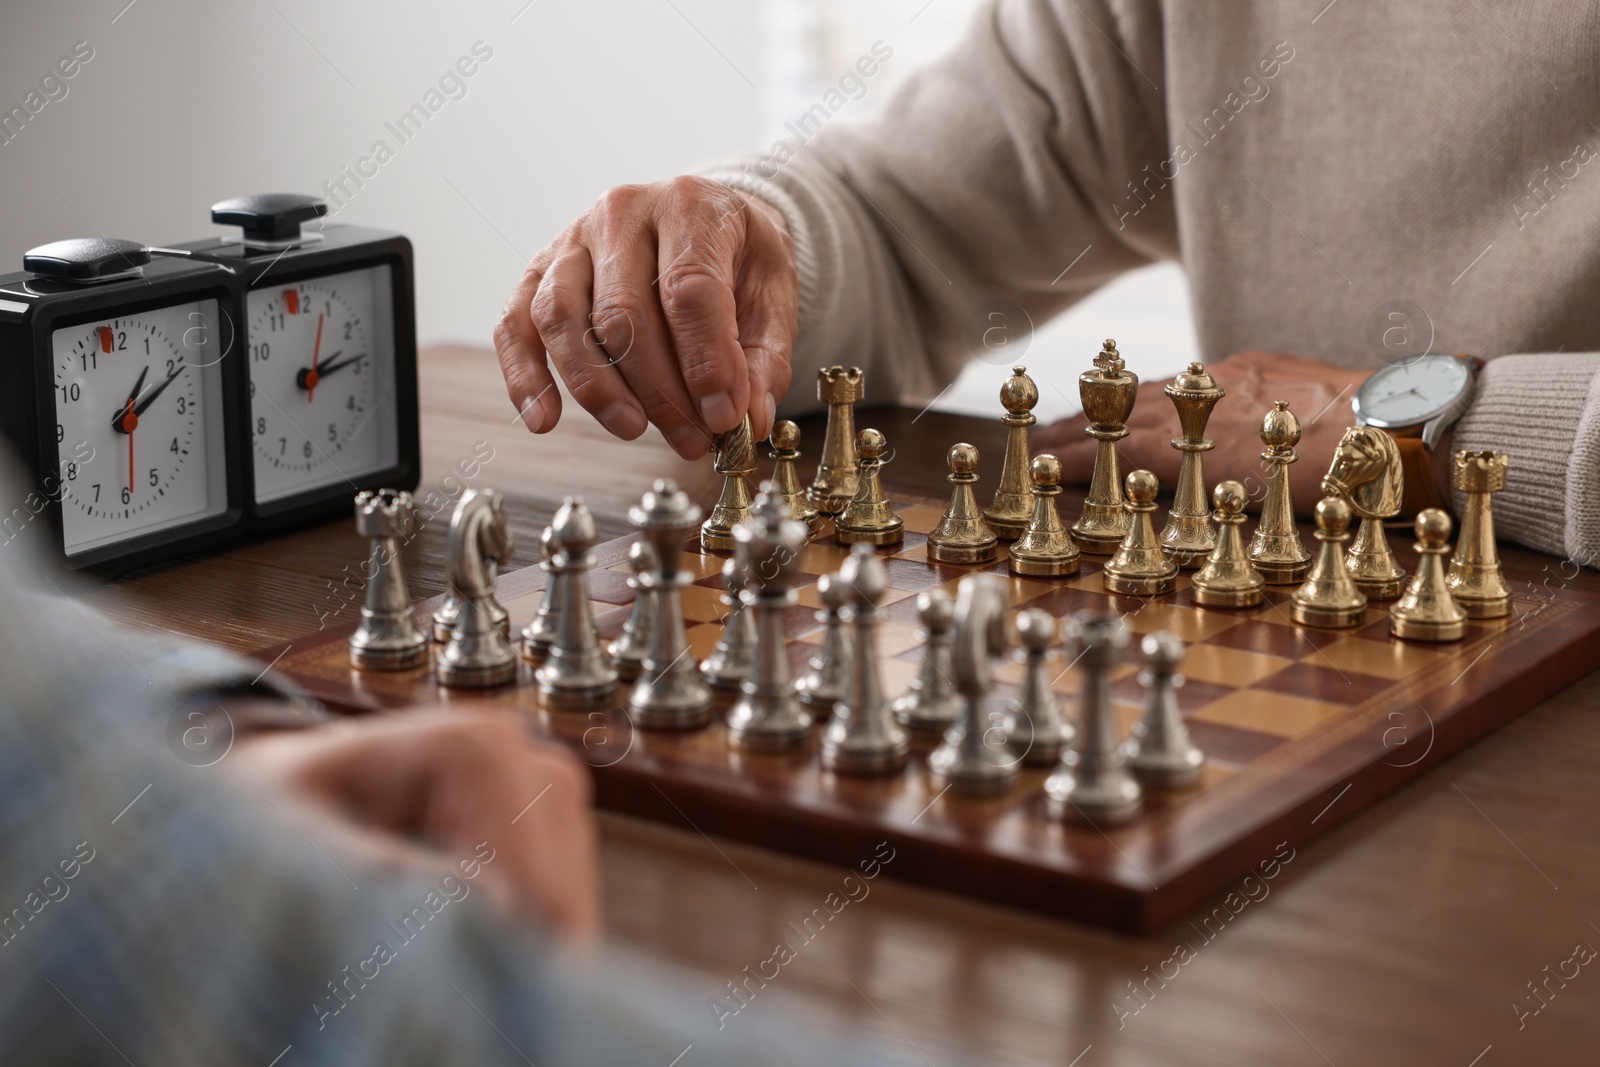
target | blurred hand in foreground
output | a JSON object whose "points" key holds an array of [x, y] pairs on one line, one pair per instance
{"points": [[428, 786]]}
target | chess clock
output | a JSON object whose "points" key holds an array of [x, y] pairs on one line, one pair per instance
{"points": [[167, 400], [329, 346]]}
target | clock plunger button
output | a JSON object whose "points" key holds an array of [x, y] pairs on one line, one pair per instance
{"points": [[272, 217], [87, 259]]}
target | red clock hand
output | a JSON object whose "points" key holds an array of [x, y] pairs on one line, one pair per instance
{"points": [[311, 377], [130, 423]]}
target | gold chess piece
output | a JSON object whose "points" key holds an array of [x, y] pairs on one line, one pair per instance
{"points": [[1428, 611], [1329, 596], [1474, 576], [869, 518], [1108, 392], [1228, 579], [736, 462], [835, 483], [1188, 536], [962, 536], [1045, 549], [1008, 515], [785, 442], [1140, 567], [1366, 472], [1276, 549]]}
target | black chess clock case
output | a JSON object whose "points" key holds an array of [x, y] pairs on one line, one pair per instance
{"points": [[342, 248], [32, 309]]}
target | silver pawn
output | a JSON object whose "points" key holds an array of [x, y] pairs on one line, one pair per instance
{"points": [[768, 716], [669, 694], [1160, 751], [541, 629], [862, 736], [931, 703], [576, 673], [388, 638], [733, 658], [1093, 783], [477, 654], [827, 678], [628, 650], [972, 758], [1036, 730]]}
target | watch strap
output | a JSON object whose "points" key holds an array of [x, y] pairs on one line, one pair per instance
{"points": [[1419, 489]]}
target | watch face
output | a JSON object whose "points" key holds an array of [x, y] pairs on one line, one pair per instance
{"points": [[1412, 391], [139, 433], [322, 401]]}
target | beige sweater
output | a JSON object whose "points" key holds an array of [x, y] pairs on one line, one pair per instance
{"points": [[1312, 168]]}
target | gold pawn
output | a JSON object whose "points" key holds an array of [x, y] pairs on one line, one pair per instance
{"points": [[1188, 536], [785, 442], [1013, 505], [1045, 549], [1140, 567], [1475, 576], [1428, 611], [1276, 549], [962, 536], [1228, 580], [1329, 597], [869, 518], [1108, 392]]}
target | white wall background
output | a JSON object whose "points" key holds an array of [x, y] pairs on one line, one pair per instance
{"points": [[186, 102]]}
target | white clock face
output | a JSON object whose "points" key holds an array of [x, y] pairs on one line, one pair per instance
{"points": [[1412, 390], [322, 403], [139, 433]]}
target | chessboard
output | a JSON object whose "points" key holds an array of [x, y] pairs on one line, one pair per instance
{"points": [[1302, 728]]}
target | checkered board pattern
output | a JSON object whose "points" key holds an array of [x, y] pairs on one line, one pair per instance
{"points": [[1302, 728]]}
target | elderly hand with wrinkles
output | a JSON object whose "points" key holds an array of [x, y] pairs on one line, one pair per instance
{"points": [[673, 304]]}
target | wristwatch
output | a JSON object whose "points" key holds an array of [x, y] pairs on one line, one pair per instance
{"points": [[1416, 400]]}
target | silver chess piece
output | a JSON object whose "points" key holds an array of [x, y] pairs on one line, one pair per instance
{"points": [[388, 638], [972, 758], [448, 613], [541, 629], [768, 716], [862, 737], [628, 650], [477, 654], [1160, 751], [669, 693], [931, 703], [576, 673], [1036, 731], [827, 677], [734, 656], [1093, 783]]}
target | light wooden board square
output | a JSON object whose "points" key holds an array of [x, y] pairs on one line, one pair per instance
{"points": [[1229, 666], [1269, 713], [1392, 659]]}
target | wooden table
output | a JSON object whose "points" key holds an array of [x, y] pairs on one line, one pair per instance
{"points": [[1404, 936]]}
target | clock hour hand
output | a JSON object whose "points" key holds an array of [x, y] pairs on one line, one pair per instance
{"points": [[302, 378], [117, 420]]}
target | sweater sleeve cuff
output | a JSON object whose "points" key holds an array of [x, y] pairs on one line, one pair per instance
{"points": [[1543, 412]]}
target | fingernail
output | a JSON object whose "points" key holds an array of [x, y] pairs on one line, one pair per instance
{"points": [[687, 441], [772, 412], [717, 410], [623, 419], [533, 415]]}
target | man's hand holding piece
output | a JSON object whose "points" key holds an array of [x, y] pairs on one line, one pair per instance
{"points": [[673, 304]]}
